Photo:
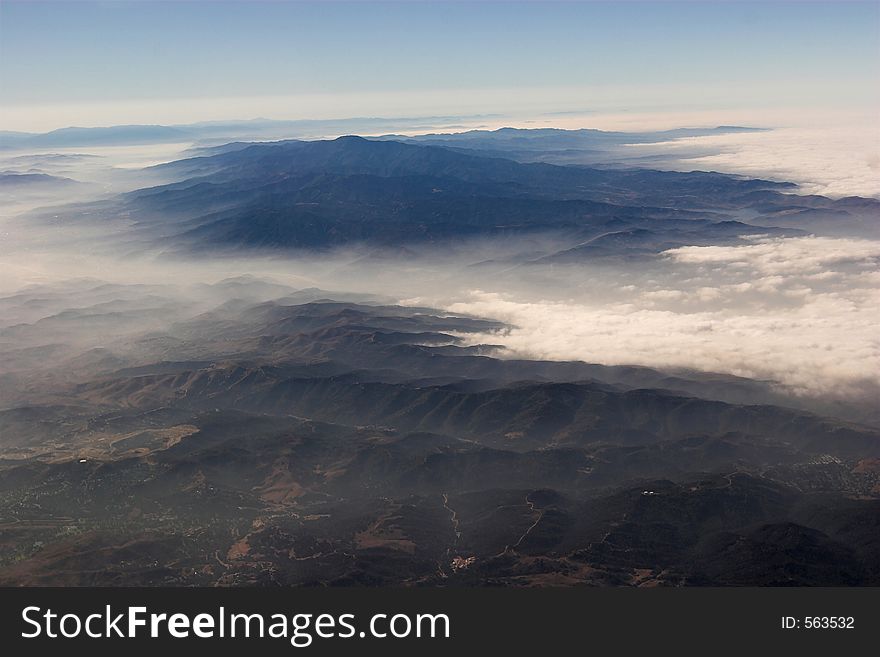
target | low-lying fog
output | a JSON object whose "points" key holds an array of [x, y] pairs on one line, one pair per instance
{"points": [[801, 311], [833, 153]]}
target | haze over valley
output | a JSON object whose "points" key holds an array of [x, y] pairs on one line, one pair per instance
{"points": [[600, 308], [432, 360]]}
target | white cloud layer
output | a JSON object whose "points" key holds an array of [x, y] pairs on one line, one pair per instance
{"points": [[801, 311], [836, 156]]}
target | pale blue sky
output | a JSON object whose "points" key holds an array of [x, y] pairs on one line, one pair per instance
{"points": [[58, 61]]}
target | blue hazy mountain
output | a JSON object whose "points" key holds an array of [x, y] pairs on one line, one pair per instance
{"points": [[543, 139], [211, 132], [11, 180], [577, 147], [217, 132], [315, 194]]}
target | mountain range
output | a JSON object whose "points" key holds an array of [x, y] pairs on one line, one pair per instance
{"points": [[261, 432], [355, 191], [305, 441]]}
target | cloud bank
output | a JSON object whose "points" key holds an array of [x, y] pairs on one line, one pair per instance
{"points": [[801, 311], [838, 157]]}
